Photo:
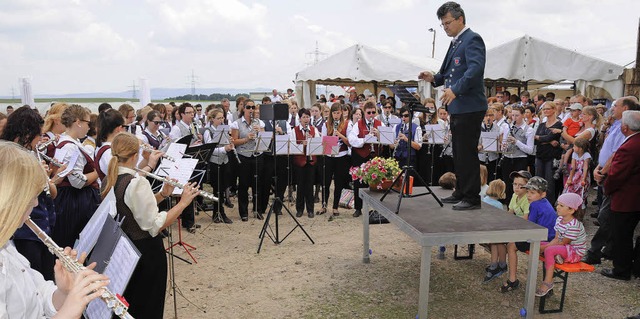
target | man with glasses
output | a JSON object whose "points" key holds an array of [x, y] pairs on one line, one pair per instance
{"points": [[387, 117], [361, 151], [186, 125], [462, 73]]}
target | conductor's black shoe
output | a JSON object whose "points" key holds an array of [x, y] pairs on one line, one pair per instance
{"points": [[464, 205], [591, 259], [451, 200], [610, 273], [299, 214], [357, 213]]}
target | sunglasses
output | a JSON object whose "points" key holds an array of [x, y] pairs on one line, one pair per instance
{"points": [[405, 115], [249, 107], [156, 122], [371, 112]]}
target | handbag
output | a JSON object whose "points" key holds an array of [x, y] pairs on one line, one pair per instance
{"points": [[346, 198]]}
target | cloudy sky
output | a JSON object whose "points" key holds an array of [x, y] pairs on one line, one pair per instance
{"points": [[74, 46]]}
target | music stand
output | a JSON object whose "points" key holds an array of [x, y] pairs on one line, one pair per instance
{"points": [[276, 112], [413, 105], [202, 153]]}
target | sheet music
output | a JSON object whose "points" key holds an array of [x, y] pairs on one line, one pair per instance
{"points": [[182, 171], [220, 135], [371, 139], [330, 145], [282, 144], [176, 151], [90, 233], [119, 270], [387, 135], [435, 133], [394, 121], [295, 148], [489, 141], [314, 146], [263, 141]]}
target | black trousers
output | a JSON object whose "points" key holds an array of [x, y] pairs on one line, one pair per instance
{"points": [[336, 168], [356, 160], [250, 175], [465, 133], [275, 167], [511, 165], [218, 180], [304, 195], [623, 225], [603, 238]]}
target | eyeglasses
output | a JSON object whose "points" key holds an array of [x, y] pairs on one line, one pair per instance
{"points": [[447, 23], [371, 112], [85, 121], [249, 107], [190, 112], [405, 115], [156, 122]]}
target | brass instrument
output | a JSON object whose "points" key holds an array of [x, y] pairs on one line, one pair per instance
{"points": [[115, 302], [147, 148], [202, 193], [56, 163]]}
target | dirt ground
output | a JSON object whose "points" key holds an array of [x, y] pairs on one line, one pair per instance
{"points": [[298, 279]]}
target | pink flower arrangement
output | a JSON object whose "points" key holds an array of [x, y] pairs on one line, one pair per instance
{"points": [[375, 171]]}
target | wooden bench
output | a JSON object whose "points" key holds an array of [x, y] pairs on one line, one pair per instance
{"points": [[561, 271]]}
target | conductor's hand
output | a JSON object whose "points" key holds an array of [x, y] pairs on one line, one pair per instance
{"points": [[87, 285], [189, 192], [426, 75], [447, 96]]}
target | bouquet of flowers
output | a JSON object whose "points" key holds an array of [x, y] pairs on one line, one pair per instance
{"points": [[376, 171]]}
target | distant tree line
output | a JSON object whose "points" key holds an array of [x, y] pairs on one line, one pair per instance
{"points": [[204, 97]]}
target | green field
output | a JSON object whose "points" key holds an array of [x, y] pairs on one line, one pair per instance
{"points": [[99, 100]]}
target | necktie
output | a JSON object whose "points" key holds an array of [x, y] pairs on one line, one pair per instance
{"points": [[293, 121]]}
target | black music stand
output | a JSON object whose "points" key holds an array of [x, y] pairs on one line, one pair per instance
{"points": [[407, 170], [202, 153], [276, 112]]}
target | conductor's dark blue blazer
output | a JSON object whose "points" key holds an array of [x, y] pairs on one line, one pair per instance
{"points": [[463, 71]]}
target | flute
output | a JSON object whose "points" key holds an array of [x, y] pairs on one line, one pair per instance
{"points": [[175, 184], [115, 302], [56, 163], [149, 149], [43, 146], [47, 189]]}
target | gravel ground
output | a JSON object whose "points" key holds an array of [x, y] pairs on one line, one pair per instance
{"points": [[298, 279]]}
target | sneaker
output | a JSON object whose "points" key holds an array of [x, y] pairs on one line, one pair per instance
{"points": [[493, 273], [559, 260]]}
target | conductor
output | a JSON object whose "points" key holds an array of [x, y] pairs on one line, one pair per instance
{"points": [[462, 73]]}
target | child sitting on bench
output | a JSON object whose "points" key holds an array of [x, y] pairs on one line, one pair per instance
{"points": [[569, 244], [540, 212]]}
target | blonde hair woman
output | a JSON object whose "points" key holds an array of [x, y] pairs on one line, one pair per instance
{"points": [[53, 126], [138, 205], [24, 292]]}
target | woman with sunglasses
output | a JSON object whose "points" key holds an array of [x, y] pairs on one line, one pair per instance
{"points": [[78, 195], [151, 134], [401, 148]]}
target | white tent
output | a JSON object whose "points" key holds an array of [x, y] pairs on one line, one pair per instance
{"points": [[361, 64], [529, 59]]}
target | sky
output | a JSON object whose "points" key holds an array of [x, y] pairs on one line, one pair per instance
{"points": [[78, 46]]}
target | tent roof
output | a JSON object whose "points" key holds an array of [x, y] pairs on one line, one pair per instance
{"points": [[527, 58], [361, 63]]}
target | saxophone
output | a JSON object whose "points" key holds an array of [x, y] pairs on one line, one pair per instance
{"points": [[115, 302]]}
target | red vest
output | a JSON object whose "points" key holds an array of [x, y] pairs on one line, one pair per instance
{"points": [[365, 150], [88, 167], [301, 160]]}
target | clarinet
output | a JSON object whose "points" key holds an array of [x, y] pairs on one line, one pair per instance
{"points": [[56, 163], [369, 125], [115, 302], [176, 184], [306, 137], [47, 189]]}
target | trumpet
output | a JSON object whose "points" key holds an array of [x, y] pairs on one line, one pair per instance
{"points": [[147, 148], [115, 302], [175, 184], [56, 163]]}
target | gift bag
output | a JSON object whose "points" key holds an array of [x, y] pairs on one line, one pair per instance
{"points": [[346, 199]]}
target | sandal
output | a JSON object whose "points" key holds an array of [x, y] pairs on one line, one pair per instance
{"points": [[192, 229], [541, 292], [321, 211], [510, 286]]}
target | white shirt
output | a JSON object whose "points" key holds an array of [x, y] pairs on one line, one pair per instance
{"points": [[354, 140], [141, 200], [70, 150], [529, 146], [219, 155], [23, 291], [105, 158], [175, 133]]}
